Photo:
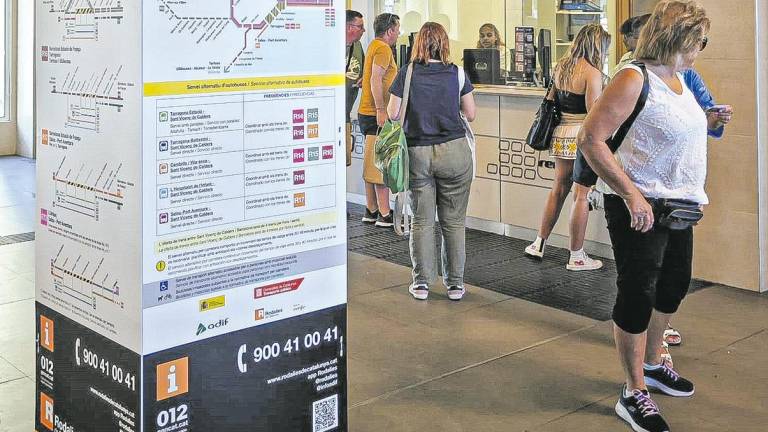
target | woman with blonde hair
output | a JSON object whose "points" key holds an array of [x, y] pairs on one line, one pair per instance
{"points": [[578, 82], [660, 167], [441, 165]]}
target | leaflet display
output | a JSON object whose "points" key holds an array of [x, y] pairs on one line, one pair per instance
{"points": [[191, 195]]}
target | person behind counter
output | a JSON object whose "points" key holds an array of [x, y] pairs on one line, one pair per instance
{"points": [[578, 82], [440, 159], [491, 38]]}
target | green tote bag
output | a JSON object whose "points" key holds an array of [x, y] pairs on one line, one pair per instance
{"points": [[391, 150]]}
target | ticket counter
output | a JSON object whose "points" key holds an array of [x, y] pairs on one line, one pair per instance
{"points": [[512, 180]]}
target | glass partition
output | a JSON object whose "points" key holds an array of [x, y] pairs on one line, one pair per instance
{"points": [[464, 18]]}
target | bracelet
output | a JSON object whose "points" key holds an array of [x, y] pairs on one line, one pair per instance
{"points": [[379, 109]]}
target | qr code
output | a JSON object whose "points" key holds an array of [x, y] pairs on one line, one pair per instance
{"points": [[325, 414]]}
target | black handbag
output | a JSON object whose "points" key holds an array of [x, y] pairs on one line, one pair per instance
{"points": [[547, 118], [677, 214], [582, 172]]}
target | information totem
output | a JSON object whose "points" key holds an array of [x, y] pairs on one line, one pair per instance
{"points": [[191, 244]]}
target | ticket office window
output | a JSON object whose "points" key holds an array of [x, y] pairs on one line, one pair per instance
{"points": [[462, 20]]}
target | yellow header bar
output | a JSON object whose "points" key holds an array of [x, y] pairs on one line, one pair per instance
{"points": [[241, 84]]}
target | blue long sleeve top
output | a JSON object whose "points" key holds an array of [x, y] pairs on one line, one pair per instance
{"points": [[696, 84]]}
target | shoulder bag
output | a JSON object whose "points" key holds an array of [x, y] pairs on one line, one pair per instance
{"points": [[547, 118]]}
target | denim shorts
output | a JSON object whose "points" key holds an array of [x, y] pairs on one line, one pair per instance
{"points": [[368, 125]]}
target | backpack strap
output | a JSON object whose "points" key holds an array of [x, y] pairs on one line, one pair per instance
{"points": [[621, 133], [406, 93]]}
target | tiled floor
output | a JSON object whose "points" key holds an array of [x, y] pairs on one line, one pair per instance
{"points": [[488, 363]]}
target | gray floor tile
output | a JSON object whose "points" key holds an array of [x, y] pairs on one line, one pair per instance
{"points": [[8, 372], [17, 406], [17, 335], [369, 274], [15, 287], [510, 394], [728, 385]]}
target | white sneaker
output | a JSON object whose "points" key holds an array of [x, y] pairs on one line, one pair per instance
{"points": [[456, 292], [419, 291], [582, 262], [533, 250]]}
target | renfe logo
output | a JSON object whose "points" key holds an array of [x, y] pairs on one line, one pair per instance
{"points": [[172, 378], [299, 177], [328, 152], [298, 116], [298, 132], [298, 155]]}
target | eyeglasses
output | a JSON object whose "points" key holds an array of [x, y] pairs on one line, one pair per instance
{"points": [[704, 42], [360, 26]]}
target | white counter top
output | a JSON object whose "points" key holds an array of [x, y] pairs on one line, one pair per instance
{"points": [[502, 90]]}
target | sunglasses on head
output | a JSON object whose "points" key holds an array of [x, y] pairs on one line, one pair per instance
{"points": [[703, 44]]}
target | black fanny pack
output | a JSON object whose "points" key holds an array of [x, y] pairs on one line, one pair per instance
{"points": [[677, 214]]}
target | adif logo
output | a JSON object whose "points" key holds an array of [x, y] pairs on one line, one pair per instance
{"points": [[327, 152], [299, 177], [172, 378], [298, 155], [46, 411], [298, 116], [298, 132], [202, 328]]}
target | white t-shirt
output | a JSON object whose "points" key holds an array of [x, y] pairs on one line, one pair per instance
{"points": [[665, 150]]}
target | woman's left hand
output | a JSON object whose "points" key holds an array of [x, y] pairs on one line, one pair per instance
{"points": [[720, 117]]}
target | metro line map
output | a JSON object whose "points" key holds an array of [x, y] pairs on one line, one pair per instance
{"points": [[238, 37]]}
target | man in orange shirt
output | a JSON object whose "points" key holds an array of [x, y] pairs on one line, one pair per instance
{"points": [[378, 74]]}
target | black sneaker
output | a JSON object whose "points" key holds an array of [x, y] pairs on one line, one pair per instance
{"points": [[666, 380], [385, 221], [370, 217], [640, 412]]}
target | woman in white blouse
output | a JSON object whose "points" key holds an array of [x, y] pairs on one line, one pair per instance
{"points": [[664, 156]]}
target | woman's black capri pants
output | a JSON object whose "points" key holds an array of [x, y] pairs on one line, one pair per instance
{"points": [[654, 268]]}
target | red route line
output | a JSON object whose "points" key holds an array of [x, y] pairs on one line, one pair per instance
{"points": [[88, 188]]}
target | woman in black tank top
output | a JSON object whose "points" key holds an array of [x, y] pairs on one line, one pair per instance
{"points": [[578, 83]]}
